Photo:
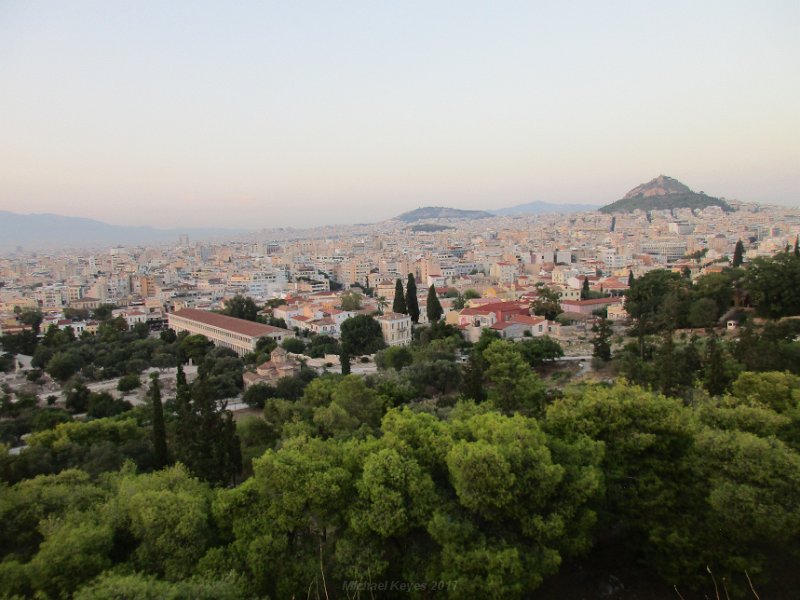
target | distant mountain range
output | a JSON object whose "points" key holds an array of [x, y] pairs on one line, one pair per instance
{"points": [[543, 208], [441, 212], [663, 193], [47, 231]]}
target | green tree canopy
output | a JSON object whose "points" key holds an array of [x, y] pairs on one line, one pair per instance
{"points": [[351, 301], [241, 307], [361, 335], [547, 304], [540, 350], [703, 313], [195, 347], [512, 384], [394, 357], [409, 504], [294, 345], [774, 285]]}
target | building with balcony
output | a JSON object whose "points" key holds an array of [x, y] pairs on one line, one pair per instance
{"points": [[396, 328]]}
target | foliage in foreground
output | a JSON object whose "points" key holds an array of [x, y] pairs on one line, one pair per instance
{"points": [[491, 502]]}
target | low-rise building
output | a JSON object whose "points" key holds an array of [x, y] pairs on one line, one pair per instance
{"points": [[396, 328], [239, 335], [587, 307], [280, 364]]}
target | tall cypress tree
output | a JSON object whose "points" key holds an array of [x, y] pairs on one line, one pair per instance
{"points": [[585, 289], [205, 433], [180, 376], [212, 452], [602, 340], [433, 307], [159, 429], [411, 299], [630, 278], [399, 304], [205, 456], [344, 361], [232, 449], [738, 254], [715, 378], [667, 374], [184, 424], [797, 245]]}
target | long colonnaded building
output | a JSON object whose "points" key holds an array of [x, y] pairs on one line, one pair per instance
{"points": [[239, 335]]}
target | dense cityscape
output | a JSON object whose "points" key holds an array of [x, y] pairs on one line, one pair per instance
{"points": [[203, 371], [428, 300]]}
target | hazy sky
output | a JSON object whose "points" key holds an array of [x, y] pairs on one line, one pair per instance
{"points": [[297, 113]]}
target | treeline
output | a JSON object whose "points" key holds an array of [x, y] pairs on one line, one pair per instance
{"points": [[666, 355], [489, 498], [23, 413], [113, 431], [115, 350]]}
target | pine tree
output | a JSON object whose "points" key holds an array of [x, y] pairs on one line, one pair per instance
{"points": [[738, 254], [399, 304], [585, 289], [159, 429], [412, 303], [433, 307]]}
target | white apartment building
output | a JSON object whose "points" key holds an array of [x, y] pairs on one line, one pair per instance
{"points": [[670, 249], [396, 328], [266, 283], [505, 272]]}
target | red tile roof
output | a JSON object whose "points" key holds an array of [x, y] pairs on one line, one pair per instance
{"points": [[494, 307], [240, 326], [606, 300], [525, 320]]}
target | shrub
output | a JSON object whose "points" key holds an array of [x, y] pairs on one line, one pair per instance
{"points": [[34, 376], [128, 382]]}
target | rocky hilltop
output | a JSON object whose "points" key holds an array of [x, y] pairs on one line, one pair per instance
{"points": [[663, 193]]}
